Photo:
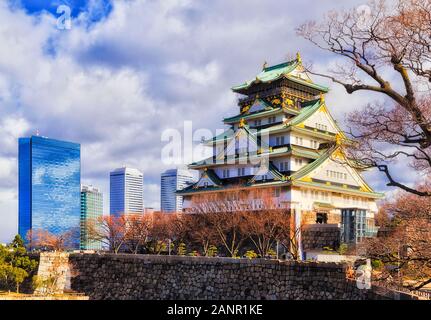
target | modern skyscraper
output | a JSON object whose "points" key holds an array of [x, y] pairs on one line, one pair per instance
{"points": [[126, 191], [91, 209], [171, 181], [49, 186]]}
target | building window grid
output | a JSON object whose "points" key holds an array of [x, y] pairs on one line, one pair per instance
{"points": [[298, 162], [257, 123], [336, 175], [279, 141], [322, 127], [272, 119], [241, 172], [284, 166], [226, 173], [299, 141]]}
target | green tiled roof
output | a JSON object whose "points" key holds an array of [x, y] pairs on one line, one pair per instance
{"points": [[214, 177], [192, 189], [238, 117], [276, 72], [285, 150], [307, 109], [313, 165], [376, 195], [305, 152], [223, 136]]}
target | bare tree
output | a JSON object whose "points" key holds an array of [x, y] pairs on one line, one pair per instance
{"points": [[404, 248], [387, 52], [225, 214], [289, 236], [200, 231], [165, 228], [109, 230], [43, 239], [267, 225], [138, 227]]}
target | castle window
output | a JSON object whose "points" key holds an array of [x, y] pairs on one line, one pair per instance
{"points": [[257, 123], [284, 166], [279, 140], [277, 192], [336, 175], [241, 172], [225, 173], [322, 127], [272, 119], [299, 141]]}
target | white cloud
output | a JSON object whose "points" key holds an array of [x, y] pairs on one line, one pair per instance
{"points": [[197, 76]]}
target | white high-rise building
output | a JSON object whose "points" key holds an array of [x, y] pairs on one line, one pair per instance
{"points": [[126, 191], [171, 181]]}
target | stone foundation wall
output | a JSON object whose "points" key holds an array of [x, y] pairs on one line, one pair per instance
{"points": [[53, 273], [317, 236], [109, 276]]}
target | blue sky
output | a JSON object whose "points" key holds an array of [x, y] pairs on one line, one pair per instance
{"points": [[35, 7], [129, 69]]}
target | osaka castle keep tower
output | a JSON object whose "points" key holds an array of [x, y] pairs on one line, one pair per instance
{"points": [[284, 138]]}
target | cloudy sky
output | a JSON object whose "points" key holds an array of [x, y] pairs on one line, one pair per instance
{"points": [[128, 70]]}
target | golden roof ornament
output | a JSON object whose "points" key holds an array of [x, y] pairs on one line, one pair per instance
{"points": [[241, 123], [265, 65], [322, 97], [338, 139], [298, 57]]}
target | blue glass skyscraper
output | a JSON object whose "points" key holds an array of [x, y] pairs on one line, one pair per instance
{"points": [[171, 181], [49, 174]]}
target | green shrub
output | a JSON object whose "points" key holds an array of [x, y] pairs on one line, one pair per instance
{"points": [[377, 264], [250, 254], [182, 250], [271, 253], [15, 264], [212, 251], [342, 249], [194, 253]]}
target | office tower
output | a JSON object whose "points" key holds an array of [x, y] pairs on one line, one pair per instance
{"points": [[126, 191], [49, 186], [171, 181], [91, 210]]}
